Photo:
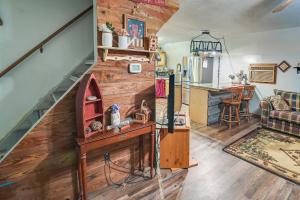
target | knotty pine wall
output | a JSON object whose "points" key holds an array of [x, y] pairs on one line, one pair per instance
{"points": [[43, 165]]}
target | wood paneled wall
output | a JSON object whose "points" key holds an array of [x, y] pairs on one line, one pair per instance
{"points": [[43, 165]]}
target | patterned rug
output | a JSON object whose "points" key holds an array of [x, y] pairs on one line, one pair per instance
{"points": [[270, 150]]}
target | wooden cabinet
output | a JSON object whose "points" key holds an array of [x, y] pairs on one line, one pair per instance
{"points": [[175, 147], [198, 105]]}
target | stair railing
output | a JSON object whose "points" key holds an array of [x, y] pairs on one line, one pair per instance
{"points": [[44, 42]]}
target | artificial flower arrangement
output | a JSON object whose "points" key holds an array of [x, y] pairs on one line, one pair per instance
{"points": [[107, 38]]}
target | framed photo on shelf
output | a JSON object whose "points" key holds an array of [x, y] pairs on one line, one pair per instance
{"points": [[137, 31]]}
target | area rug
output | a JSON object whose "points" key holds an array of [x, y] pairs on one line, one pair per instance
{"points": [[270, 150]]}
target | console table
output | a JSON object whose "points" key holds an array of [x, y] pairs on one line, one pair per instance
{"points": [[109, 137]]}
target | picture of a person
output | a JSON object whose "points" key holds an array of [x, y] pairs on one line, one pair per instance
{"points": [[134, 32]]}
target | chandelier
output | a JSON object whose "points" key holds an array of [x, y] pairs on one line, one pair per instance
{"points": [[211, 46]]}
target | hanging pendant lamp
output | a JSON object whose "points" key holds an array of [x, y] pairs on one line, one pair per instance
{"points": [[211, 46]]}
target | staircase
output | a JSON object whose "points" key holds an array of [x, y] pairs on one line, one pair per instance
{"points": [[15, 136], [45, 104]]}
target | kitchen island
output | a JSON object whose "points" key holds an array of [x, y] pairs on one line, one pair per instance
{"points": [[205, 101]]}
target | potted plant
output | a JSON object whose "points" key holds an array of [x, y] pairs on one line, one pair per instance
{"points": [[107, 31]]}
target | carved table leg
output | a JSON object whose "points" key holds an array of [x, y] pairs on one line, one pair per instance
{"points": [[83, 175], [141, 153], [132, 159], [152, 148]]}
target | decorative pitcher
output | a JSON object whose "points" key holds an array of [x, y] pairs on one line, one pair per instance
{"points": [[124, 41]]}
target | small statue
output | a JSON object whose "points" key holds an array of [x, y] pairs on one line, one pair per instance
{"points": [[143, 115], [115, 115]]}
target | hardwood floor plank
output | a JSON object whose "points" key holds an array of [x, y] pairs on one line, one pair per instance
{"points": [[225, 177], [218, 176]]}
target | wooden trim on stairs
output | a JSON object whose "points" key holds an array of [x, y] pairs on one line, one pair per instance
{"points": [[45, 41]]}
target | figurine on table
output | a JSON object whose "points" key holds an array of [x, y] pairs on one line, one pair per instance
{"points": [[143, 115]]}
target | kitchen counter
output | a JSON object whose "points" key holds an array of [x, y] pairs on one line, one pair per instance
{"points": [[214, 87], [206, 99]]}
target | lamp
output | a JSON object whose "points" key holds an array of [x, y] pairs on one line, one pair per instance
{"points": [[211, 46]]}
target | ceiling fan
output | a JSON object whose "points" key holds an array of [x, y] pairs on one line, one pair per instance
{"points": [[284, 4]]}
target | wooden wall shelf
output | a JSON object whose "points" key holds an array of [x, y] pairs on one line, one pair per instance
{"points": [[129, 56], [88, 111]]}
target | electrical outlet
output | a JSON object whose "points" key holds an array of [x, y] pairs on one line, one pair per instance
{"points": [[106, 156]]}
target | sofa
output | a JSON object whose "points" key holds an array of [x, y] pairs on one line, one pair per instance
{"points": [[286, 121]]}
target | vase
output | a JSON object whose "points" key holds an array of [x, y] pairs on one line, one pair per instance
{"points": [[107, 39], [123, 42], [115, 118]]}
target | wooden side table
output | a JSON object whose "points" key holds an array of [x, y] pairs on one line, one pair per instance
{"points": [[107, 138]]}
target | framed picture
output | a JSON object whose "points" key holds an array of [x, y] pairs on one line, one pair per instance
{"points": [[284, 66], [163, 59], [137, 31]]}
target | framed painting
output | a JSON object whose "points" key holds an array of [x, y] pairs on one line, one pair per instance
{"points": [[163, 59], [137, 31], [284, 66]]}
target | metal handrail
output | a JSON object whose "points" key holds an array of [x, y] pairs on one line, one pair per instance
{"points": [[45, 41]]}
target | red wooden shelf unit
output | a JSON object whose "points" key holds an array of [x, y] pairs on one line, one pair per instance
{"points": [[88, 111]]}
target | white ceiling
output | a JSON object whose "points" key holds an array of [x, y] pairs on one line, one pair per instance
{"points": [[223, 17]]}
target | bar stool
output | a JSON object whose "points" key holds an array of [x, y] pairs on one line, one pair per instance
{"points": [[232, 103], [247, 96]]}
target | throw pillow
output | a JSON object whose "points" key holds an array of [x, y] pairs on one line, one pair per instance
{"points": [[279, 103]]}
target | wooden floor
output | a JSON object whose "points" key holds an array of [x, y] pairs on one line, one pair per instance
{"points": [[223, 176], [223, 134], [218, 176], [166, 186]]}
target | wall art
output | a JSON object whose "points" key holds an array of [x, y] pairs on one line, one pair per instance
{"points": [[284, 66], [136, 29]]}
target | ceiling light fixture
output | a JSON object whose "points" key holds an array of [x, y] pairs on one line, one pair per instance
{"points": [[212, 45]]}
